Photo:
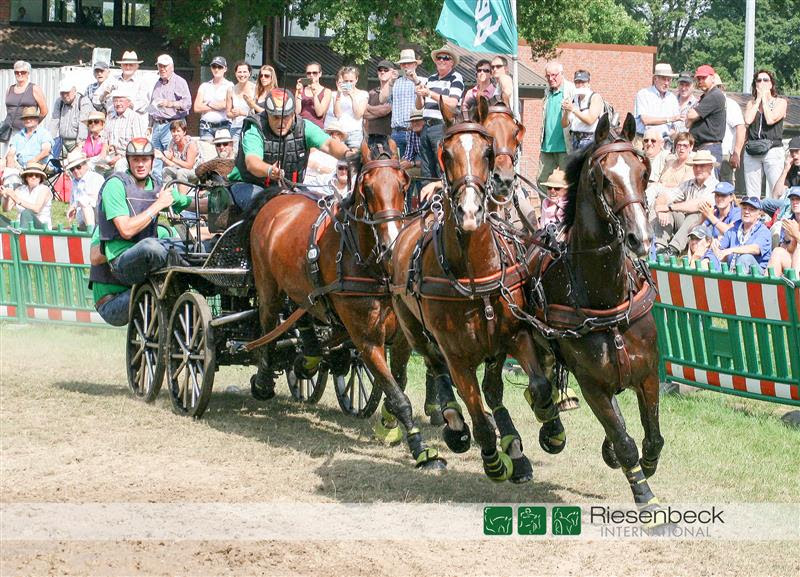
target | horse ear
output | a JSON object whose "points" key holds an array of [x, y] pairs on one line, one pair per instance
{"points": [[629, 128], [448, 114], [481, 110], [520, 133], [601, 132], [365, 153], [393, 148]]}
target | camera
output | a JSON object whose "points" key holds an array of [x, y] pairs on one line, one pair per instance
{"points": [[305, 81]]}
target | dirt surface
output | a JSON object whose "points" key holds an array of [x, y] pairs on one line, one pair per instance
{"points": [[70, 433]]}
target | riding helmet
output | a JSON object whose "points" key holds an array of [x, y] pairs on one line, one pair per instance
{"points": [[279, 103], [139, 147]]}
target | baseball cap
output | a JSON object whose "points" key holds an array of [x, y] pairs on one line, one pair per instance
{"points": [[219, 61], [164, 60], [685, 76], [581, 76], [699, 232], [705, 70], [385, 64], [794, 191], [794, 143], [725, 188], [100, 65], [66, 85], [753, 201]]}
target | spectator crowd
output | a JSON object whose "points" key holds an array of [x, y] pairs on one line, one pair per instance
{"points": [[694, 136]]}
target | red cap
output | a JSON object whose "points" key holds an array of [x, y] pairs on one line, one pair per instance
{"points": [[705, 70]]}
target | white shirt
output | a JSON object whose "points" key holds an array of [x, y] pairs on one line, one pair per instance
{"points": [[86, 189], [140, 92], [209, 92], [733, 118], [650, 103]]}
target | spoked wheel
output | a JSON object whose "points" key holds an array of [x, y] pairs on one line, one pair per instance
{"points": [[308, 390], [144, 351], [357, 392], [191, 356]]}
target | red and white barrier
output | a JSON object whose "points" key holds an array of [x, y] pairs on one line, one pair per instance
{"points": [[734, 382]]}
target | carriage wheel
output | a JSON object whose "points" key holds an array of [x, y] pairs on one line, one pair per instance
{"points": [[191, 356], [308, 390], [144, 351], [357, 392]]}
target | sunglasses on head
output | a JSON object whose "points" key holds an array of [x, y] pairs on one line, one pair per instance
{"points": [[443, 58]]}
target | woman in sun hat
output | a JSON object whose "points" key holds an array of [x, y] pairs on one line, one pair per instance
{"points": [[32, 200]]}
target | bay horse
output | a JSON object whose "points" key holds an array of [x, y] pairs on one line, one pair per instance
{"points": [[594, 300], [349, 239], [451, 275]]}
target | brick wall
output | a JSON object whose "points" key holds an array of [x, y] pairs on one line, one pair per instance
{"points": [[618, 72], [5, 11]]}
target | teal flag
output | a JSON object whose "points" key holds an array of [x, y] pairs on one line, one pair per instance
{"points": [[479, 25]]}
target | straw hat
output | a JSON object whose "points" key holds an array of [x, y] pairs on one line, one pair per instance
{"points": [[30, 112], [334, 126], [664, 69], [702, 157], [446, 50], [408, 56], [129, 57], [33, 168], [75, 158], [222, 135], [95, 115], [557, 179], [416, 114]]}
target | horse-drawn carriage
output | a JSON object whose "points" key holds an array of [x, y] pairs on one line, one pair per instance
{"points": [[196, 315]]}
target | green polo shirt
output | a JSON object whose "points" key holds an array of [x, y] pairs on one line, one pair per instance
{"points": [[553, 131], [253, 143], [115, 204]]}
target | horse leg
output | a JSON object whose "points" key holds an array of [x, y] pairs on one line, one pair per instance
{"points": [[599, 398], [262, 384], [648, 412], [433, 409], [510, 440], [307, 364], [552, 436], [387, 427], [398, 405], [607, 450], [496, 464]]}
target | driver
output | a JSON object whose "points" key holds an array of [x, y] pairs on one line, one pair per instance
{"points": [[128, 207], [265, 137]]}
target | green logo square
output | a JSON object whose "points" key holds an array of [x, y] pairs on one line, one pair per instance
{"points": [[566, 521], [498, 520], [532, 520]]}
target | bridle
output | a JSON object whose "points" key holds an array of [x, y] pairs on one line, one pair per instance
{"points": [[512, 153], [484, 186], [382, 216]]}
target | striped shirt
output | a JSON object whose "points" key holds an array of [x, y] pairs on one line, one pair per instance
{"points": [[121, 129], [402, 99], [412, 147], [451, 85]]}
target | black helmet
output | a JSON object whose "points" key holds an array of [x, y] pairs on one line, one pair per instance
{"points": [[139, 147], [280, 102]]}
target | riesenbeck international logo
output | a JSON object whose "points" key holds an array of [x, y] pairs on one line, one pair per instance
{"points": [[566, 521], [532, 520], [498, 520]]}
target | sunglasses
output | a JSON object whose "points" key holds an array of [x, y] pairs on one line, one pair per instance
{"points": [[94, 122], [496, 66], [312, 72], [76, 168], [383, 70], [223, 144], [484, 70], [265, 75], [20, 72], [443, 58], [341, 168], [764, 79], [646, 140]]}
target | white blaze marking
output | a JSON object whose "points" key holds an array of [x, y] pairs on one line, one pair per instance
{"points": [[623, 170], [393, 231]]}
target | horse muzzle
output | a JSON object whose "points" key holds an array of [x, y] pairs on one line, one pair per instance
{"points": [[469, 212]]}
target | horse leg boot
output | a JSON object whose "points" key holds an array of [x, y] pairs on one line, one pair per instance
{"points": [[510, 440], [648, 412], [387, 428], [552, 436], [262, 384], [433, 409], [306, 366]]}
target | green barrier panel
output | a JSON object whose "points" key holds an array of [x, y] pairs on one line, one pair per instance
{"points": [[732, 331]]}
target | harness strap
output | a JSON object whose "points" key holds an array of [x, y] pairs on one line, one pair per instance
{"points": [[276, 332]]}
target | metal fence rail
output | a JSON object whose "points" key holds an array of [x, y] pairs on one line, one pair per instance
{"points": [[729, 331]]}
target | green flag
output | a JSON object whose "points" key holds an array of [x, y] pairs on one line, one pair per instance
{"points": [[479, 25]]}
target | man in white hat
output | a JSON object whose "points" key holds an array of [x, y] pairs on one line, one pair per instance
{"points": [[399, 92], [656, 106], [223, 143], [445, 86], [70, 110], [138, 90], [122, 126], [170, 100], [86, 185], [555, 142], [680, 213]]}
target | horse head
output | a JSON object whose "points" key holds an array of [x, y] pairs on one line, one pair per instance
{"points": [[381, 191], [619, 175], [466, 157], [508, 133]]}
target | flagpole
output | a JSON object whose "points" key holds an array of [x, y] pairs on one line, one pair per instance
{"points": [[515, 65]]}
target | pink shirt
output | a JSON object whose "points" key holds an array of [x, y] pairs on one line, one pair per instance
{"points": [[93, 145], [552, 211]]}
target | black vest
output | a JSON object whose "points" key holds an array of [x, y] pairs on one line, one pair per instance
{"points": [[138, 201], [295, 153]]}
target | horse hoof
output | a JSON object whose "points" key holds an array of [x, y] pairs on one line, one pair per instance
{"points": [[388, 435], [456, 441], [568, 404], [430, 460], [648, 467], [609, 456], [262, 391], [551, 440], [437, 420], [500, 468], [523, 471]]}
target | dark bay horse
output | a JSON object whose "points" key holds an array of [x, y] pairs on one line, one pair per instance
{"points": [[595, 300], [351, 239], [451, 275]]}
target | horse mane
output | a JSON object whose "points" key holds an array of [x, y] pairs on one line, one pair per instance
{"points": [[572, 171], [379, 149]]}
